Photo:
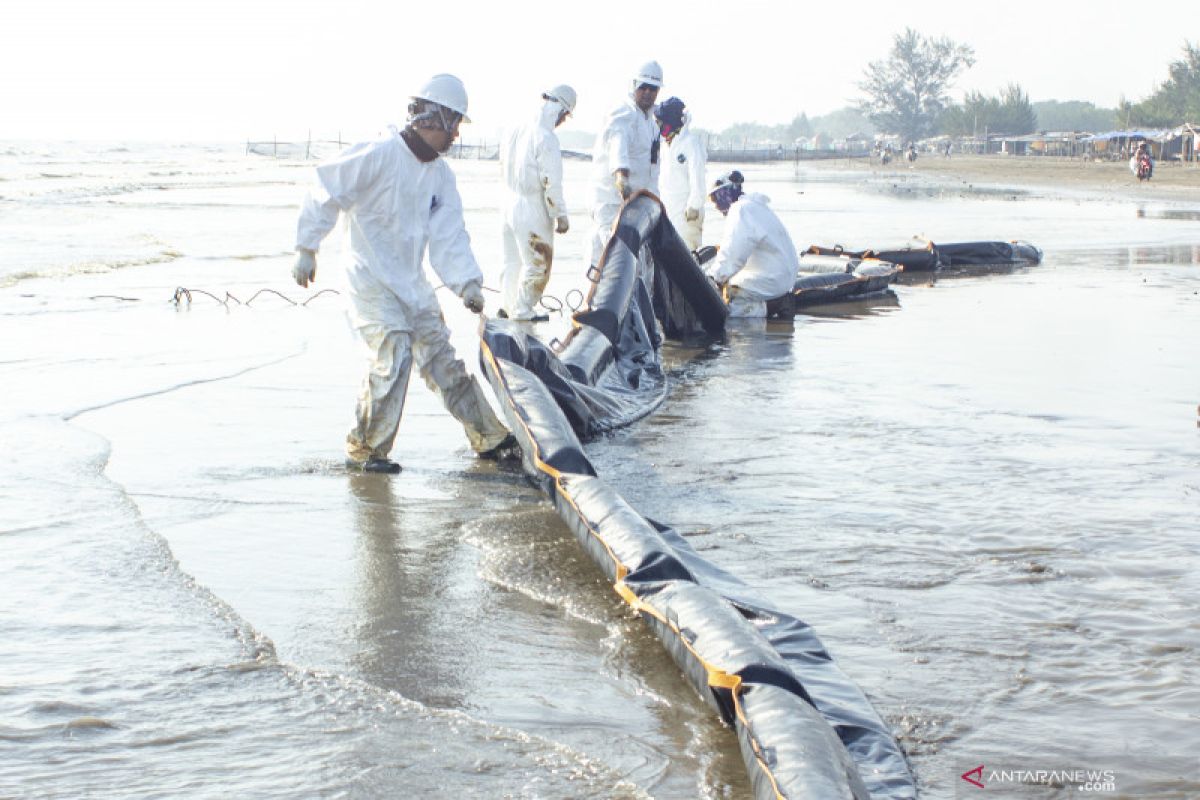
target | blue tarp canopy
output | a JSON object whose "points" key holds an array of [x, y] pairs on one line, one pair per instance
{"points": [[1157, 135]]}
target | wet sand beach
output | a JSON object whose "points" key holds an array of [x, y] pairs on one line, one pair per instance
{"points": [[981, 492], [1112, 179]]}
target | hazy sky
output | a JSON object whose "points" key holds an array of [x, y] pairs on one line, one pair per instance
{"points": [[237, 69]]}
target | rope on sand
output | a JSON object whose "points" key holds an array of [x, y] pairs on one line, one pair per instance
{"points": [[573, 300], [184, 295]]}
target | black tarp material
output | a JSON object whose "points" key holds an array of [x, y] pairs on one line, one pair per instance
{"points": [[921, 254], [916, 255], [987, 254], [804, 728], [829, 278]]}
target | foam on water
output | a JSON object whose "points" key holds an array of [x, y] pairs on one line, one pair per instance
{"points": [[76, 209]]}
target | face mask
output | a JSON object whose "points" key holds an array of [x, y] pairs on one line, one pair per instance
{"points": [[726, 196]]}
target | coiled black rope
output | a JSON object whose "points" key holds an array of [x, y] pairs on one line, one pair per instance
{"points": [[574, 299], [183, 294]]}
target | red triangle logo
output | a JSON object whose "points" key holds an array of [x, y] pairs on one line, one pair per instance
{"points": [[977, 780]]}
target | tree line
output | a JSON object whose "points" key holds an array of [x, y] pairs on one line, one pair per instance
{"points": [[907, 93]]}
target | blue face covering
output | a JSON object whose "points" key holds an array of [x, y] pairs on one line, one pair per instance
{"points": [[726, 196], [670, 115]]}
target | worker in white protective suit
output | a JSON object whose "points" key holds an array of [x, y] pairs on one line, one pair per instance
{"points": [[399, 199], [757, 261], [625, 157], [684, 158], [531, 163]]}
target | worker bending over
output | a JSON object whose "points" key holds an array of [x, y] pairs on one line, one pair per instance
{"points": [[757, 261]]}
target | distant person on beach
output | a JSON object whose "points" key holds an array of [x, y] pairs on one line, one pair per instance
{"points": [[684, 158], [1141, 164], [757, 260], [531, 164], [625, 157], [400, 199]]}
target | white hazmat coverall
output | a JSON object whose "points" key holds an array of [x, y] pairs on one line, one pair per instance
{"points": [[683, 187], [626, 143], [395, 207], [757, 257], [531, 163]]}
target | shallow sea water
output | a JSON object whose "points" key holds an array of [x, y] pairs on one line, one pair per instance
{"points": [[980, 491]]}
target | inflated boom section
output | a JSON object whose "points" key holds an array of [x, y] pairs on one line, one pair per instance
{"points": [[922, 254], [829, 278], [805, 730]]}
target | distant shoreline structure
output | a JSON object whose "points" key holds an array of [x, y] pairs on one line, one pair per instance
{"points": [[317, 149], [1180, 145]]}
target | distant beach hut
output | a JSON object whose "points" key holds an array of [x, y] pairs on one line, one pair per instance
{"points": [[1181, 144], [1117, 145]]}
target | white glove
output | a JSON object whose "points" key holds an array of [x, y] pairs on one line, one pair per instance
{"points": [[621, 181], [564, 224], [305, 268], [472, 297], [691, 214]]}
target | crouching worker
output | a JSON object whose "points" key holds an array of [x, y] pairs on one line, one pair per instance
{"points": [[400, 199], [757, 261]]}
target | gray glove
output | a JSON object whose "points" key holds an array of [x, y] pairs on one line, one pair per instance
{"points": [[564, 224], [305, 268], [621, 181], [691, 214], [472, 297]]}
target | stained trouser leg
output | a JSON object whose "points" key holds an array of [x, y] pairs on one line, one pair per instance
{"points": [[381, 400], [446, 375], [534, 277], [537, 255]]}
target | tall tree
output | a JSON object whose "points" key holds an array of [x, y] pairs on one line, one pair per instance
{"points": [[1016, 116], [1178, 99], [906, 92], [1009, 113], [974, 117]]}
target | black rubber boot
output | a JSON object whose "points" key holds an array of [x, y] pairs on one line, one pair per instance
{"points": [[507, 450], [381, 466]]}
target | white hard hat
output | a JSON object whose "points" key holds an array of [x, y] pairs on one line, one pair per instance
{"points": [[650, 73], [564, 94], [445, 90]]}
